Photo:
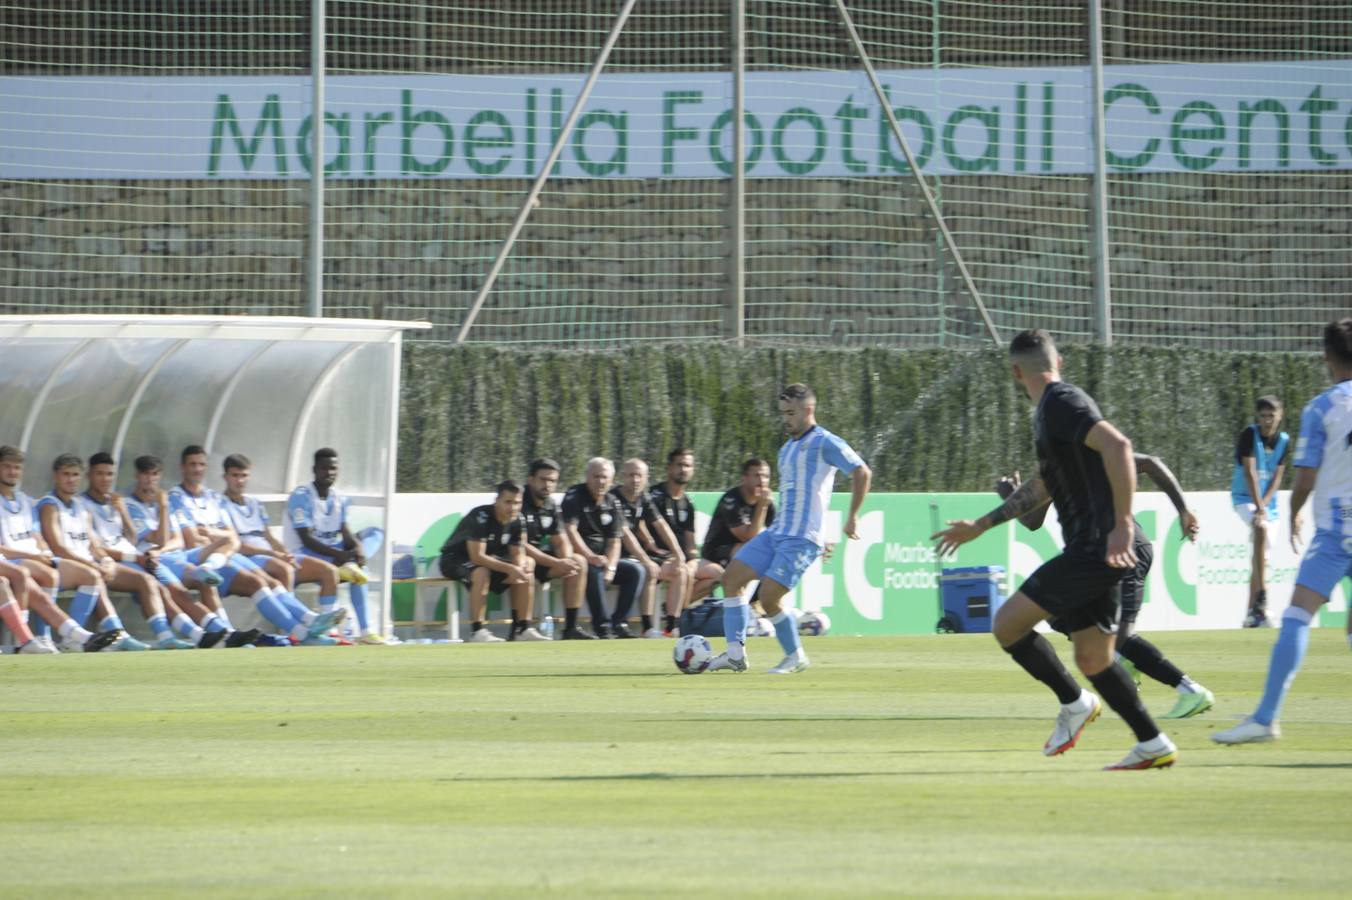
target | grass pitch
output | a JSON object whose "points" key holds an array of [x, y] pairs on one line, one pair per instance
{"points": [[893, 766]]}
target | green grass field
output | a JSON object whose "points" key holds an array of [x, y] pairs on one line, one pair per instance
{"points": [[893, 766]]}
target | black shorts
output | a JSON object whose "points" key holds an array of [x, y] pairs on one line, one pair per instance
{"points": [[1132, 589], [461, 572], [1079, 591], [719, 555]]}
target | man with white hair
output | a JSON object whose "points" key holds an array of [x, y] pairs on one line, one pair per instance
{"points": [[595, 525]]}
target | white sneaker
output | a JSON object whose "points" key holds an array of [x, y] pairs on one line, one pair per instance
{"points": [[1248, 732], [794, 662], [654, 633], [49, 643], [530, 634], [1070, 725], [35, 646], [1161, 757], [484, 636], [723, 662]]}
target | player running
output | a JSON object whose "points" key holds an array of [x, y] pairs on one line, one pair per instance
{"points": [[1323, 464], [779, 555]]}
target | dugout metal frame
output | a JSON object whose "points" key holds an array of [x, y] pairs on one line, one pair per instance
{"points": [[134, 385]]}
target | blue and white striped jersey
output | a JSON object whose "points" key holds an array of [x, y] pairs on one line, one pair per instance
{"points": [[205, 508], [107, 523], [807, 474], [323, 516], [145, 520], [73, 522], [250, 519], [19, 523], [1325, 444]]}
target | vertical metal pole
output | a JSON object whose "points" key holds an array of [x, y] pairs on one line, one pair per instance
{"points": [[737, 224], [1098, 200], [396, 347], [314, 257], [554, 152]]}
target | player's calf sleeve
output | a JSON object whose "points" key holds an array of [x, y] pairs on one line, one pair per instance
{"points": [[1148, 658], [1287, 655], [271, 609], [1035, 655], [86, 598], [736, 614], [9, 613], [298, 610], [357, 594], [1118, 691], [786, 630]]}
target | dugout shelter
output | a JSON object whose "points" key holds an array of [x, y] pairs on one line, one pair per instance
{"points": [[273, 388]]}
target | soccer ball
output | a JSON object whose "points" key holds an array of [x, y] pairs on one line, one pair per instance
{"points": [[814, 623], [692, 653], [762, 627]]}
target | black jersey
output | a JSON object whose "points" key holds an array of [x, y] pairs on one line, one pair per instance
{"points": [[640, 510], [679, 515], [733, 511], [542, 521], [1073, 473], [597, 521], [481, 524]]}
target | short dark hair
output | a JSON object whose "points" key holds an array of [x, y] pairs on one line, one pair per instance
{"points": [[1338, 340], [798, 391], [508, 487], [191, 450], [678, 453], [1034, 343], [10, 454], [149, 463], [541, 464], [236, 461], [102, 458], [1267, 401], [325, 453], [67, 461], [754, 462]]}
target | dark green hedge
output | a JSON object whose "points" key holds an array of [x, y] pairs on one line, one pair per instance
{"points": [[923, 419]]}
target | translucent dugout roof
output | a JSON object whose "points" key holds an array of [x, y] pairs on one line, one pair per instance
{"points": [[273, 388]]}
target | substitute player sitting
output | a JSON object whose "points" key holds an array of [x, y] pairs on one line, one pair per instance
{"points": [[780, 555], [317, 525], [21, 542], [257, 541], [742, 513], [664, 562], [486, 553]]}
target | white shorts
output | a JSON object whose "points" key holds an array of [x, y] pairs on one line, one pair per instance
{"points": [[1246, 512]]}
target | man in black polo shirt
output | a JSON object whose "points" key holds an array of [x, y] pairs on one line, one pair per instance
{"points": [[484, 553], [672, 504], [595, 525], [548, 546], [640, 543], [741, 514], [1088, 468]]}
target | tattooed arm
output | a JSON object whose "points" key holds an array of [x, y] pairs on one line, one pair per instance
{"points": [[1028, 497], [1159, 473], [1031, 520]]}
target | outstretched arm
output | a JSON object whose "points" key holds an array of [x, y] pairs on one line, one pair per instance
{"points": [[1030, 496]]}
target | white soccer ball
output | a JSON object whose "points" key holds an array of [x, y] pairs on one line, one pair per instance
{"points": [[814, 623], [762, 627], [692, 653]]}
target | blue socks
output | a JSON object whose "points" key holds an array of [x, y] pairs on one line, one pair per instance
{"points": [[1287, 655], [786, 629], [111, 623], [297, 609], [736, 613], [357, 594], [38, 625], [272, 609], [86, 598]]}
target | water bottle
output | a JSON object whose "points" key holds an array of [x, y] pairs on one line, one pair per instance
{"points": [[547, 627]]}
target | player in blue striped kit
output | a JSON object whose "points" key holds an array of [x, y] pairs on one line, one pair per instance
{"points": [[779, 555], [1323, 464], [316, 525]]}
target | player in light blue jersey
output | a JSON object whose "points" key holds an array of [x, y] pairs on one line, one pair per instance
{"points": [[779, 555], [317, 525], [204, 520], [258, 542], [1323, 464], [1260, 461]]}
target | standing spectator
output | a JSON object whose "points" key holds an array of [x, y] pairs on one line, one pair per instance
{"points": [[640, 544], [741, 514], [485, 553], [676, 509], [1260, 462], [595, 526], [548, 546]]}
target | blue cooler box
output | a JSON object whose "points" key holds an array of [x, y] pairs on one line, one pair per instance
{"points": [[971, 595]]}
